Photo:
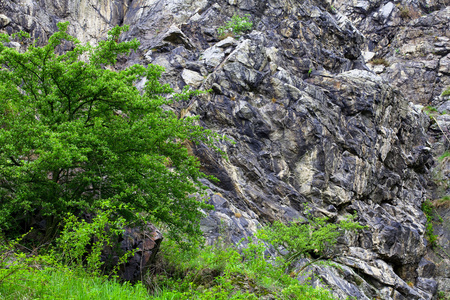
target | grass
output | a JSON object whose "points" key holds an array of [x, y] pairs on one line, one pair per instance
{"points": [[443, 202], [63, 283], [427, 208], [430, 110], [444, 155], [213, 272]]}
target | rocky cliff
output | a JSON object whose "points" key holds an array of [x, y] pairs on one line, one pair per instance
{"points": [[313, 119]]}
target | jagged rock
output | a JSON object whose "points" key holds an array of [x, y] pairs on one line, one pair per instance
{"points": [[426, 268], [145, 242], [4, 20], [426, 284], [192, 78]]}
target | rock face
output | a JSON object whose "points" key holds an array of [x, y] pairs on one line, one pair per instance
{"points": [[413, 37], [312, 123], [145, 242]]}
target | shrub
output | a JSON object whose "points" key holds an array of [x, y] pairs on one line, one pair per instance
{"points": [[82, 243], [302, 237], [75, 133], [236, 26], [427, 208], [223, 272]]}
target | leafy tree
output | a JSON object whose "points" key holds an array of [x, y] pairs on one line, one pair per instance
{"points": [[75, 132]]}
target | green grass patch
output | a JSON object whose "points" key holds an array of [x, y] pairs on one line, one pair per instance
{"points": [[444, 155], [430, 110], [428, 209], [63, 283]]}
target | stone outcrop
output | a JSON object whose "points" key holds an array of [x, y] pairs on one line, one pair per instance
{"points": [[145, 243], [313, 123]]}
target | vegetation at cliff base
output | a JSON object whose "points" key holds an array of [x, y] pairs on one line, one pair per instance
{"points": [[220, 271]]}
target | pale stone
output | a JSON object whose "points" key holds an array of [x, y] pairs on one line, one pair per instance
{"points": [[386, 10], [368, 55], [213, 56], [192, 78], [4, 20], [228, 42]]}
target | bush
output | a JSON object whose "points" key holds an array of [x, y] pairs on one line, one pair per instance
{"points": [[380, 61], [427, 208], [75, 133], [303, 237], [236, 26], [223, 272], [82, 243]]}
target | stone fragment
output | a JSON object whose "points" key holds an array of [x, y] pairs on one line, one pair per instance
{"points": [[213, 56], [192, 78], [4, 20], [228, 42], [444, 65], [386, 10], [145, 242]]}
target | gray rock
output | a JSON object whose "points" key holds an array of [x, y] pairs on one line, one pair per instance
{"points": [[192, 78], [428, 285], [4, 20], [213, 56], [386, 10], [426, 268]]}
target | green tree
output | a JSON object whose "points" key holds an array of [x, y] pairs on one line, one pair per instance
{"points": [[75, 132]]}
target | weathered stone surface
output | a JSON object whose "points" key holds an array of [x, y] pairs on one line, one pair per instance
{"points": [[4, 20], [426, 268], [145, 242], [426, 284], [412, 36], [192, 78]]}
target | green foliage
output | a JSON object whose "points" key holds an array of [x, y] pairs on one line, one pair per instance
{"points": [[81, 244], [13, 262], [427, 208], [26, 275], [221, 272], [441, 295], [76, 132], [302, 237], [208, 272], [446, 92], [444, 155], [236, 26], [63, 283], [429, 110]]}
